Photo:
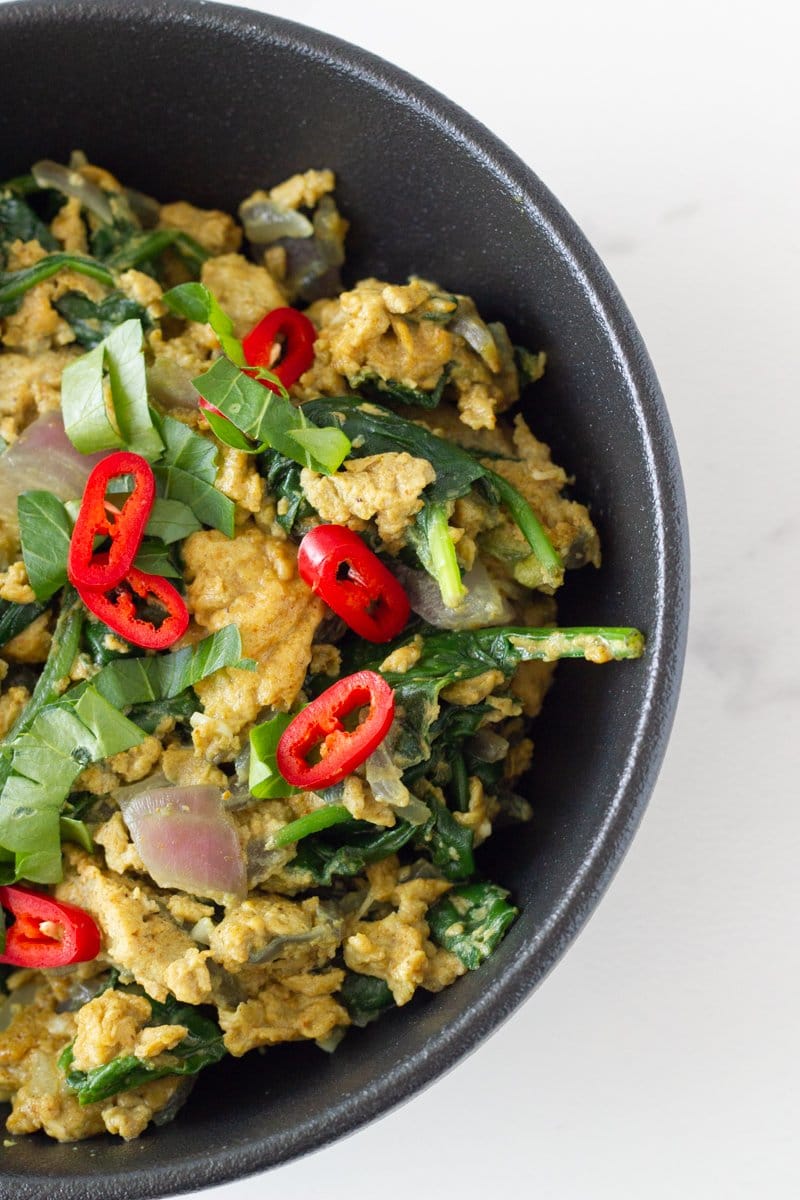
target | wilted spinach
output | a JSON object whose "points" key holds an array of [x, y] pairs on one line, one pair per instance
{"points": [[471, 921], [201, 1047]]}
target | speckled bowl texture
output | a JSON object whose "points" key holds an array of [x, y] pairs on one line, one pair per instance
{"points": [[205, 102]]}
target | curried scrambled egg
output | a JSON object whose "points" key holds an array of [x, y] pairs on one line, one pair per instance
{"points": [[270, 966]]}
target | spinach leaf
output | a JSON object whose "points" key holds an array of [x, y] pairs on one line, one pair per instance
{"points": [[371, 382], [124, 247], [471, 921], [130, 681], [19, 221], [16, 617], [201, 1047], [365, 997], [270, 419], [265, 780], [429, 536], [448, 843], [45, 531], [98, 635], [14, 284], [448, 657], [116, 364], [283, 482], [92, 321], [196, 303], [63, 648], [181, 707], [324, 859], [375, 430]]}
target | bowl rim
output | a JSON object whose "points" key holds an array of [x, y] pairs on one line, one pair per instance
{"points": [[666, 640]]}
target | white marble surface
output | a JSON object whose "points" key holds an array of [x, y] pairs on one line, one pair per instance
{"points": [[660, 1057]]}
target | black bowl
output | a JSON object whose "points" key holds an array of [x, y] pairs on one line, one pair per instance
{"points": [[204, 102]]}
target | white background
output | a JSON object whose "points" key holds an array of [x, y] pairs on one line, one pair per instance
{"points": [[660, 1058]]}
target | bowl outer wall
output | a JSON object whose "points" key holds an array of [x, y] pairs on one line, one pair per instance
{"points": [[428, 190]]}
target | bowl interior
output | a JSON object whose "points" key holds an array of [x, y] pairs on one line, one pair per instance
{"points": [[205, 103]]}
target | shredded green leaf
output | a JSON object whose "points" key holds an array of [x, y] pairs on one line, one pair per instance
{"points": [[104, 396]]}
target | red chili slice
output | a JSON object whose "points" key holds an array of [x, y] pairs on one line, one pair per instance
{"points": [[294, 335], [320, 727], [98, 518], [339, 567], [116, 607], [75, 937]]}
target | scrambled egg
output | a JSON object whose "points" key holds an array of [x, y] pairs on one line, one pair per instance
{"points": [[271, 965]]}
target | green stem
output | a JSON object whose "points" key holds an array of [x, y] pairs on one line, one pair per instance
{"points": [[323, 818], [531, 528], [14, 284], [64, 647], [430, 537], [595, 643]]}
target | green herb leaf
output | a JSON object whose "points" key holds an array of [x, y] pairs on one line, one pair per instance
{"points": [[208, 505], [155, 559], [196, 303], [133, 681], [43, 763], [269, 419], [185, 449], [135, 247], [170, 521], [14, 284], [201, 1047], [112, 376], [471, 921], [45, 531], [266, 781], [92, 321], [72, 830], [357, 844]]}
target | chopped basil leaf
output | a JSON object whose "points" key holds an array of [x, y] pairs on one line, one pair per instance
{"points": [[155, 559], [266, 781], [45, 530], [114, 371], [163, 676], [270, 419], [170, 521], [208, 505], [195, 302]]}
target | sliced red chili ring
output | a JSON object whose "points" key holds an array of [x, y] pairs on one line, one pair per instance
{"points": [[297, 335], [46, 932], [97, 518], [319, 727], [337, 565], [117, 608]]}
